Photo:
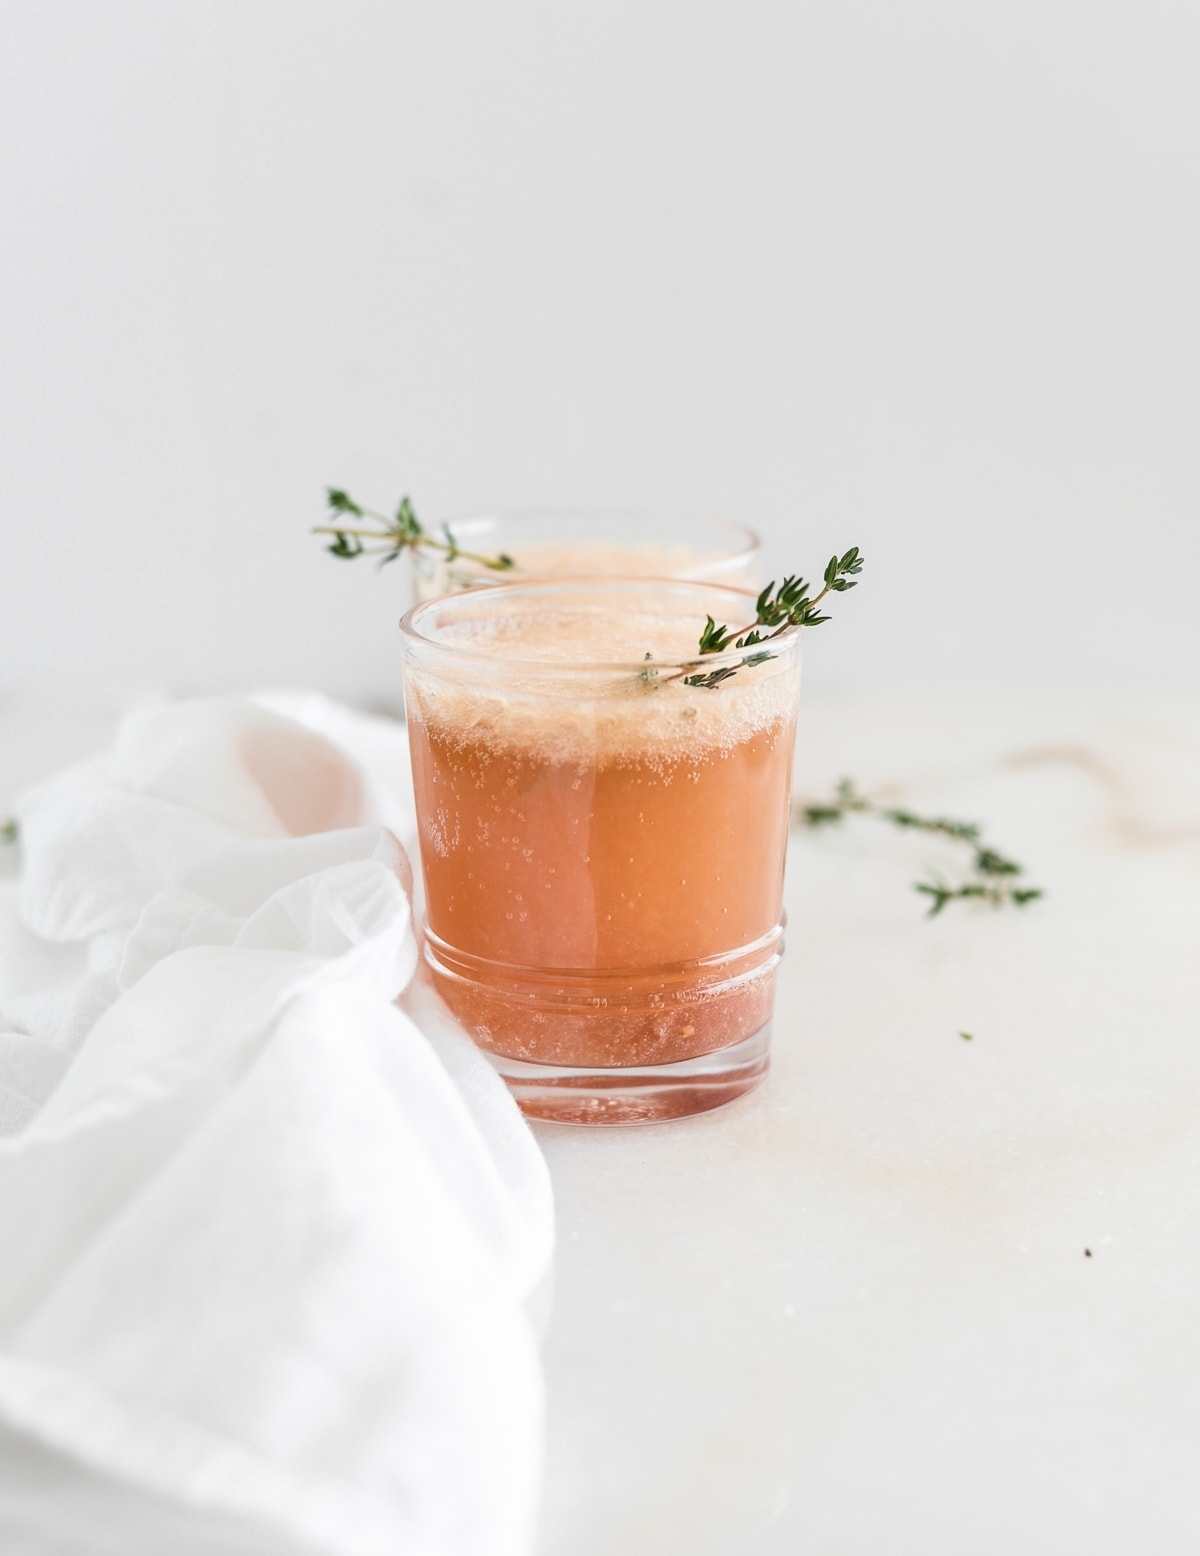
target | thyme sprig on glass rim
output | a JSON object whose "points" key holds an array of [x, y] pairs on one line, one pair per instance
{"points": [[792, 604], [992, 877], [403, 533]]}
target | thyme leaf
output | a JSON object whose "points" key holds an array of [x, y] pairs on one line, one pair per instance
{"points": [[648, 674]]}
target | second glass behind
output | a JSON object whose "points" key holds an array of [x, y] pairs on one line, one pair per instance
{"points": [[591, 543]]}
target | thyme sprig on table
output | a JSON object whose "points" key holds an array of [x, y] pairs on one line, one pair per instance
{"points": [[992, 878], [792, 604], [403, 533], [983, 891]]}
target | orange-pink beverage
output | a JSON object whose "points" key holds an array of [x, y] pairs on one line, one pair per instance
{"points": [[590, 543], [602, 844]]}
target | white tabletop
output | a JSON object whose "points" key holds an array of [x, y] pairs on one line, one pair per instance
{"points": [[854, 1313]]}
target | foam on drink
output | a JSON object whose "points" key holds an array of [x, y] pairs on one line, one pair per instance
{"points": [[616, 703]]}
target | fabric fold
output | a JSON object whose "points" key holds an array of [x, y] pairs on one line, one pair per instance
{"points": [[268, 1234]]}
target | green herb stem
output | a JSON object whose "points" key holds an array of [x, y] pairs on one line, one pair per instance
{"points": [[977, 891], [991, 878], [792, 604], [403, 533]]}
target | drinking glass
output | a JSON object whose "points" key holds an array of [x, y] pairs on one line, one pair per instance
{"points": [[602, 839], [591, 542]]}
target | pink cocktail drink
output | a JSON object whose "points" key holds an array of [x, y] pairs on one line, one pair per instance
{"points": [[602, 843]]}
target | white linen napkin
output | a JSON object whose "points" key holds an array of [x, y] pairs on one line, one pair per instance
{"points": [[265, 1237]]}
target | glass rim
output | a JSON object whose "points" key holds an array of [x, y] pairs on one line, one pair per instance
{"points": [[747, 542], [410, 625]]}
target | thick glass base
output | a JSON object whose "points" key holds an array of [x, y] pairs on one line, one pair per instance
{"points": [[646, 1094]]}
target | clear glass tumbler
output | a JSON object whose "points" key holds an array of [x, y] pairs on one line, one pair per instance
{"points": [[590, 543], [603, 840]]}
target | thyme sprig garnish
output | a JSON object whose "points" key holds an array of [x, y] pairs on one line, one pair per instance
{"points": [[9, 832], [403, 533], [792, 604], [992, 873]]}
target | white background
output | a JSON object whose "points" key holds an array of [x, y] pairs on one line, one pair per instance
{"points": [[921, 277]]}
